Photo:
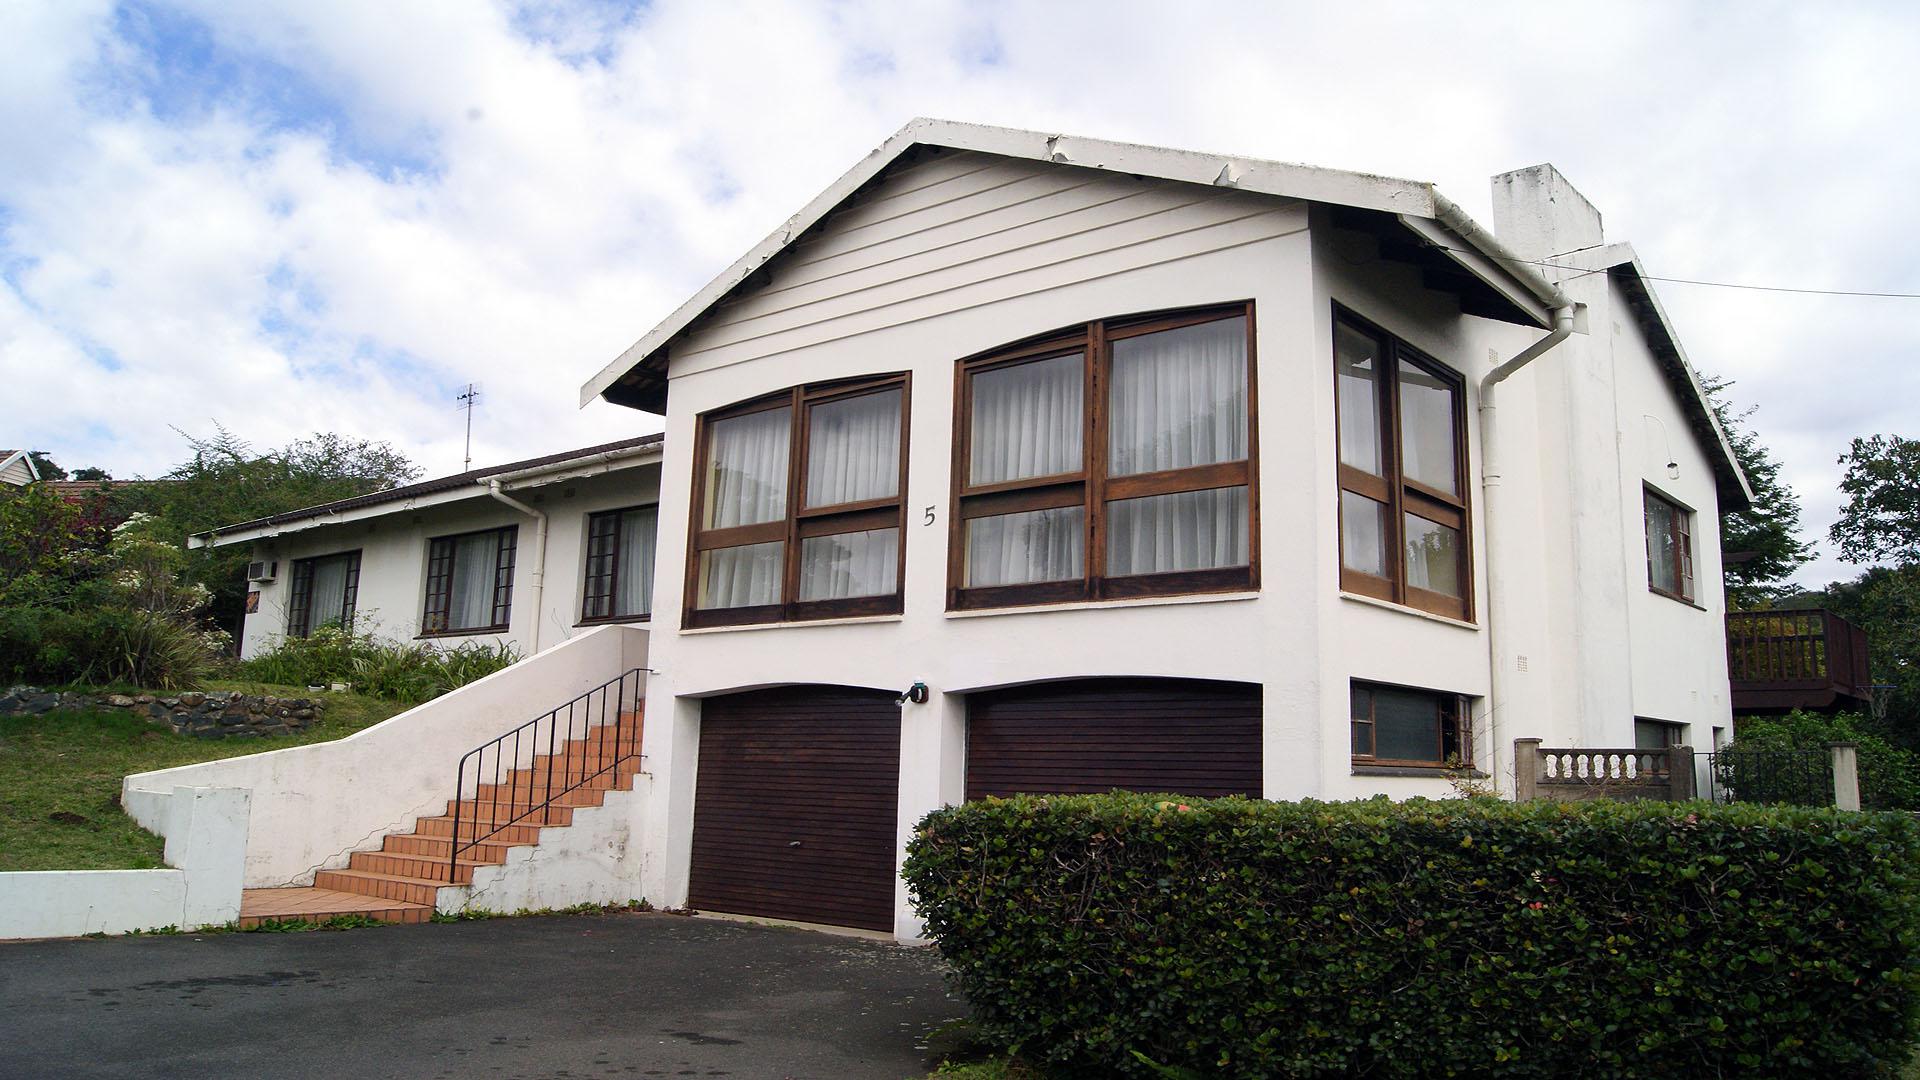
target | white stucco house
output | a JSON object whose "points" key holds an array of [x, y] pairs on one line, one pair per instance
{"points": [[1026, 462]]}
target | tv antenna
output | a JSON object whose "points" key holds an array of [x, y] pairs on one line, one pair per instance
{"points": [[468, 398]]}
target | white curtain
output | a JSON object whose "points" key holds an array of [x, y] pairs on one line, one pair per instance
{"points": [[475, 559], [1012, 549], [1027, 420], [853, 449], [742, 576], [1426, 429], [850, 564], [1178, 399], [747, 468], [1356, 359], [635, 570], [327, 593], [1187, 530]]}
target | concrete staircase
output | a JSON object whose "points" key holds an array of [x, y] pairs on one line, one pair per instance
{"points": [[400, 881]]}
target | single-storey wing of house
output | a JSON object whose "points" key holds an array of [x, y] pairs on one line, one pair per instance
{"points": [[527, 553]]}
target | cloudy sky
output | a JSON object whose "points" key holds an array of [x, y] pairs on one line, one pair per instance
{"points": [[331, 216]]}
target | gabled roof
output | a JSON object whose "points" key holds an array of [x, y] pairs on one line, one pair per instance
{"points": [[469, 484], [8, 457], [1504, 286]]}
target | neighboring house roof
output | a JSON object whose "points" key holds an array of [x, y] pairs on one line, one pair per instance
{"points": [[8, 458], [1445, 240], [466, 485]]}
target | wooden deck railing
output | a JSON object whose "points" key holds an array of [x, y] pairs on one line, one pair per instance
{"points": [[1780, 660]]}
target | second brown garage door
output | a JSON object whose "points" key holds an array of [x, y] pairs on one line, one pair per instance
{"points": [[794, 805], [1185, 736]]}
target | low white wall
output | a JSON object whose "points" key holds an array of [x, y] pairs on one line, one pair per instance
{"points": [[206, 832], [313, 805], [596, 860]]}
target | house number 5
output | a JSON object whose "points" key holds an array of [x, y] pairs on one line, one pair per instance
{"points": [[929, 518]]}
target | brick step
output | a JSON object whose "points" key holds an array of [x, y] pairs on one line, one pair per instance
{"points": [[415, 866], [407, 889], [442, 828], [502, 811], [536, 786], [439, 847], [576, 764], [524, 799], [258, 906]]}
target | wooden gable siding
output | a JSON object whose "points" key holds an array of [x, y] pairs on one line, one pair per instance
{"points": [[965, 229]]}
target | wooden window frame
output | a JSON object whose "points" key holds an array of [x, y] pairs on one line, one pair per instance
{"points": [[1457, 714], [1682, 537], [1401, 494], [800, 521], [608, 560], [1090, 488], [300, 599], [439, 592]]}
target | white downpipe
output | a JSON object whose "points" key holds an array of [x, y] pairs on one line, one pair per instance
{"points": [[539, 557], [1491, 468]]}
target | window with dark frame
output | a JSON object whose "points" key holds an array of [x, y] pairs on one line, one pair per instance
{"points": [[1394, 725], [1669, 547], [1657, 734], [1113, 459], [619, 571], [799, 507], [1404, 514], [469, 582], [323, 591]]}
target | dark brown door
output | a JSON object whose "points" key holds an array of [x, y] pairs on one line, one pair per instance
{"points": [[794, 807], [1182, 736]]}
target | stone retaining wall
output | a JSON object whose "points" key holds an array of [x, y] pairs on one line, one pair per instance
{"points": [[211, 715]]}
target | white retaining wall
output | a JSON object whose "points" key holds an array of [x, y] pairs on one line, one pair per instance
{"points": [[206, 830], [313, 805], [596, 860]]}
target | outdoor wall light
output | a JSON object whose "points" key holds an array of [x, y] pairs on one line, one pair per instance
{"points": [[917, 693]]}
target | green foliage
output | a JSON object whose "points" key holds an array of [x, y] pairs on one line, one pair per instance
{"points": [[1881, 518], [375, 667], [1885, 602], [1767, 534], [47, 546], [1889, 775], [1236, 938]]}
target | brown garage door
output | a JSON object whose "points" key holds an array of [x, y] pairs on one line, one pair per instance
{"points": [[794, 807], [1187, 736]]}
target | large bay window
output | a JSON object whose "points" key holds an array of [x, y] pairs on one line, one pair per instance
{"points": [[1114, 459], [1404, 535], [799, 505]]}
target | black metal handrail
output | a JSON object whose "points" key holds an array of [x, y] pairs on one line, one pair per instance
{"points": [[583, 716]]}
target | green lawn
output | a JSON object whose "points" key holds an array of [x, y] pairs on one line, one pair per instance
{"points": [[60, 776]]}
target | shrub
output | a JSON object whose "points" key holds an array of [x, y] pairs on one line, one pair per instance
{"points": [[1889, 775], [375, 667], [102, 646], [1236, 938]]}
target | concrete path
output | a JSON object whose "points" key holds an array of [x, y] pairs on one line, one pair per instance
{"points": [[627, 995]]}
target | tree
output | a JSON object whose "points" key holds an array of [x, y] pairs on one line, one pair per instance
{"points": [[1766, 535], [91, 473], [1881, 519], [44, 466]]}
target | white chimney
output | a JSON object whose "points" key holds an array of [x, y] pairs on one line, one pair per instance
{"points": [[1537, 213]]}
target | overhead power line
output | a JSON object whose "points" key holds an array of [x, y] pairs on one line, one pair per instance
{"points": [[1697, 281]]}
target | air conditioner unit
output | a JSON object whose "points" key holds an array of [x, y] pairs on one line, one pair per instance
{"points": [[262, 571]]}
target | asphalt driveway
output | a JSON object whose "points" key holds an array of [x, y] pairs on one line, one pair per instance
{"points": [[625, 995]]}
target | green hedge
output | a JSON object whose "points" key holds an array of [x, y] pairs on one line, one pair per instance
{"points": [[1231, 938]]}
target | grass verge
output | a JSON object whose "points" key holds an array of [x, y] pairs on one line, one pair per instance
{"points": [[60, 776]]}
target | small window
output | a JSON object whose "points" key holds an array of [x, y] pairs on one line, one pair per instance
{"points": [[799, 505], [1397, 726], [1669, 547], [323, 593], [1657, 734], [469, 582], [619, 573], [1403, 485], [1113, 459]]}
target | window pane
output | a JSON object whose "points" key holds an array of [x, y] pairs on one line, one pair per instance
{"points": [[475, 561], [850, 564], [328, 598], [1040, 545], [1426, 429], [741, 576], [1027, 420], [853, 449], [747, 468], [1187, 530], [1433, 556], [1361, 709], [635, 571], [1662, 565], [1178, 398], [1406, 725], [1363, 534], [1356, 361]]}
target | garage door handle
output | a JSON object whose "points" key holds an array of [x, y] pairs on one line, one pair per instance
{"points": [[793, 843]]}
